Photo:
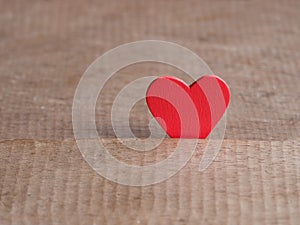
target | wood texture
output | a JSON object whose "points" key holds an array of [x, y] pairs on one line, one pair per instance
{"points": [[45, 46]]}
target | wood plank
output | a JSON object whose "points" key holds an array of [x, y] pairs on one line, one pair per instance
{"points": [[45, 47], [250, 182]]}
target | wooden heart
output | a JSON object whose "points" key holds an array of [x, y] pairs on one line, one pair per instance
{"points": [[188, 111]]}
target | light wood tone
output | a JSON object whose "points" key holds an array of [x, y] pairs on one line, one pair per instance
{"points": [[45, 46]]}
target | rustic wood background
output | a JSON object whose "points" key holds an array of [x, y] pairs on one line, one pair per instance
{"points": [[45, 46]]}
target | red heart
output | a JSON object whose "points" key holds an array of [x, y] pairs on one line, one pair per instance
{"points": [[188, 111]]}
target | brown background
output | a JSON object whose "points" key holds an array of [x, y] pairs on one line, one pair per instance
{"points": [[45, 46]]}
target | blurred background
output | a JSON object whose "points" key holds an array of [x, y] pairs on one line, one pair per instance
{"points": [[47, 45]]}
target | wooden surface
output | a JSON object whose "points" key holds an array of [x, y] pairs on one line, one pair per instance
{"points": [[45, 46]]}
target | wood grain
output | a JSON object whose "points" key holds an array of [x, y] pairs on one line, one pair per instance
{"points": [[250, 182], [45, 47]]}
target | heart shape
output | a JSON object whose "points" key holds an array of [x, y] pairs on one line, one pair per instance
{"points": [[188, 111]]}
